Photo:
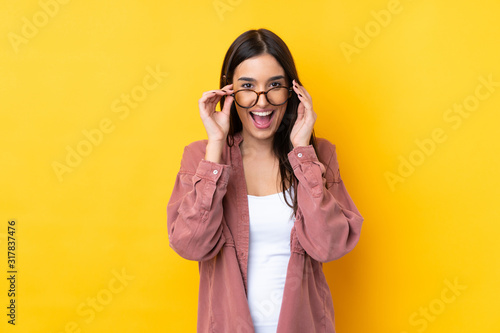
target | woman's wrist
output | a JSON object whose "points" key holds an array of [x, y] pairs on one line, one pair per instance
{"points": [[300, 144], [213, 151]]}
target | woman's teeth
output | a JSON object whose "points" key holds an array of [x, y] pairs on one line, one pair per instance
{"points": [[262, 114]]}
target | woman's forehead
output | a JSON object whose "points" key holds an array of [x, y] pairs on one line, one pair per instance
{"points": [[260, 68]]}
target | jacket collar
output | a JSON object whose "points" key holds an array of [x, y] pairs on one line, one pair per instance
{"points": [[238, 137]]}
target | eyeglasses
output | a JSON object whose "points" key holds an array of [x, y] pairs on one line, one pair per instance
{"points": [[247, 98]]}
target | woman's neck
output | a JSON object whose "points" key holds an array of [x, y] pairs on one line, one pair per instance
{"points": [[251, 146]]}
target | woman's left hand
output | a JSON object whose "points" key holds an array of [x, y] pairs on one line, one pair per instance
{"points": [[306, 117]]}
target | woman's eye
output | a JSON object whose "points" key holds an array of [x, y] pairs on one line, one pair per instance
{"points": [[275, 84], [246, 85]]}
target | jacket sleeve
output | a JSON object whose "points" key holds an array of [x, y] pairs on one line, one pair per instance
{"points": [[194, 210], [328, 224]]}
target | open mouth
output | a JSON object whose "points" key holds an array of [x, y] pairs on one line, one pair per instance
{"points": [[262, 119]]}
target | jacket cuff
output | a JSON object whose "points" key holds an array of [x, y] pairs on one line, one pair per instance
{"points": [[213, 171], [302, 154]]}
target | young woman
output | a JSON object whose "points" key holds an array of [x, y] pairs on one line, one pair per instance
{"points": [[261, 204]]}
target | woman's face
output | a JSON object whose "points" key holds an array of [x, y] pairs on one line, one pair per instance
{"points": [[260, 73]]}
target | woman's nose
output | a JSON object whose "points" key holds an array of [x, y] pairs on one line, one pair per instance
{"points": [[262, 99]]}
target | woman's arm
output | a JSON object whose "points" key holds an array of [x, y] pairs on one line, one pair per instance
{"points": [[328, 224], [194, 210]]}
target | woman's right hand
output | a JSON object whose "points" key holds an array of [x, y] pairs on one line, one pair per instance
{"points": [[216, 123]]}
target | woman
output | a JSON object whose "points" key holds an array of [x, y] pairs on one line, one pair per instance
{"points": [[260, 204]]}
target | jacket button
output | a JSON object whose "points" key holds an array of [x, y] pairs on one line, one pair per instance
{"points": [[215, 172], [299, 154]]}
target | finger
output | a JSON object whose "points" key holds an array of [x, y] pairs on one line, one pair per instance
{"points": [[227, 92], [228, 87], [300, 111], [303, 95], [307, 93], [208, 98], [221, 92], [303, 91], [207, 104], [306, 101], [227, 105], [224, 89], [297, 89], [214, 96]]}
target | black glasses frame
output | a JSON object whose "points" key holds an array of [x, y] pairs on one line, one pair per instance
{"points": [[265, 94]]}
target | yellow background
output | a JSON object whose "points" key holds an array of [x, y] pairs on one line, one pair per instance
{"points": [[436, 226]]}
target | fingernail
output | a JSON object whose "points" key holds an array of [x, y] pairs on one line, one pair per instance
{"points": [[223, 90]]}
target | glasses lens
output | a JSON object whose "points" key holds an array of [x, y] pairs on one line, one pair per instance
{"points": [[245, 98], [278, 95], [275, 96]]}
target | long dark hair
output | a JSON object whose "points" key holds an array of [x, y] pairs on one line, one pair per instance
{"points": [[250, 44]]}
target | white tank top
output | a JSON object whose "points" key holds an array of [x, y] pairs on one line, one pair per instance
{"points": [[271, 223]]}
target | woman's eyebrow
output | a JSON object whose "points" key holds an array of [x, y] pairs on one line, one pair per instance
{"points": [[243, 78], [273, 78], [276, 77]]}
